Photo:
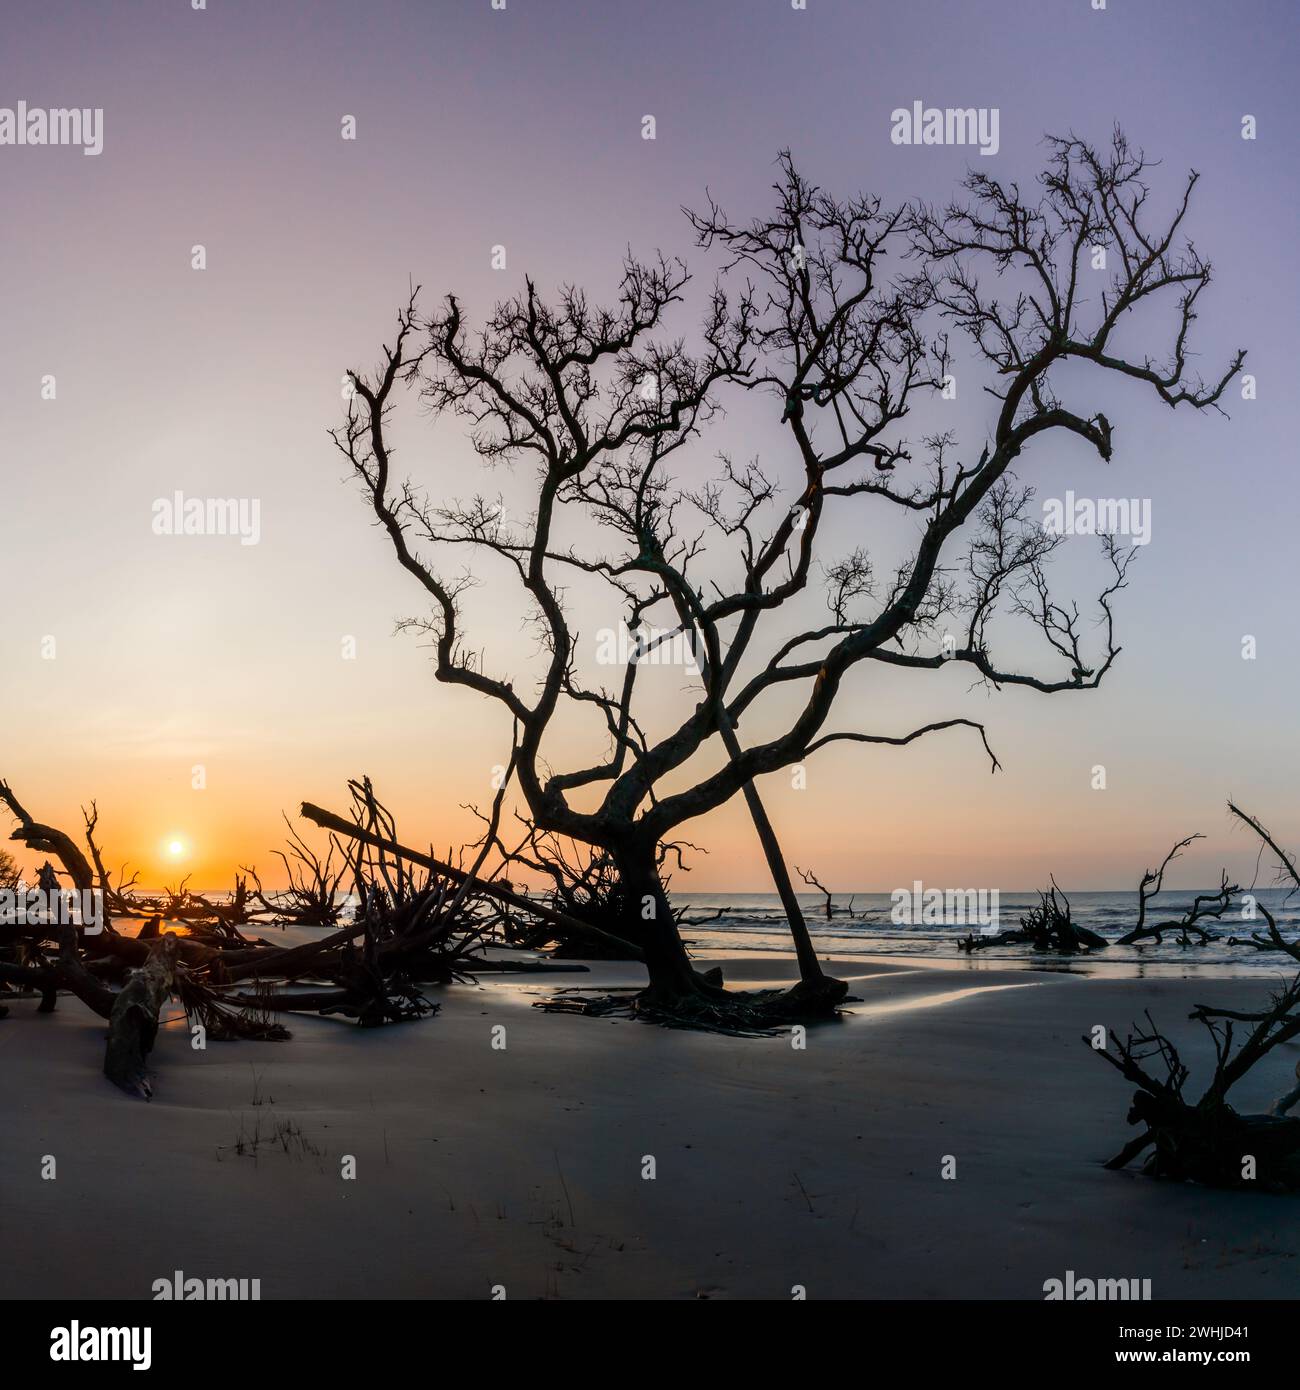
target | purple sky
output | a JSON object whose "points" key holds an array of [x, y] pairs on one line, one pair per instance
{"points": [[522, 127]]}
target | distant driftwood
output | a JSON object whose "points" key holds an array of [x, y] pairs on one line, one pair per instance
{"points": [[1047, 927], [416, 920], [1050, 927]]}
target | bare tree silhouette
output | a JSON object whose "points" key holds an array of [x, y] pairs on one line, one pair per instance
{"points": [[805, 310]]}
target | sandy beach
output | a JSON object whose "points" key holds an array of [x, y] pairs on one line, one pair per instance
{"points": [[522, 1167]]}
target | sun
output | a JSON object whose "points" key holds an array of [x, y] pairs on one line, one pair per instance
{"points": [[176, 848]]}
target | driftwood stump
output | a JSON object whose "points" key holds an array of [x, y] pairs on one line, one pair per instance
{"points": [[133, 1024]]}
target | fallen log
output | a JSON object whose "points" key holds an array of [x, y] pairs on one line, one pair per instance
{"points": [[284, 960], [526, 967], [303, 1001], [130, 950]]}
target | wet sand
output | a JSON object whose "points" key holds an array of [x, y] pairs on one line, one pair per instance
{"points": [[522, 1167]]}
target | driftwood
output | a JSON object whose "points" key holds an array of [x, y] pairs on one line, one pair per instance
{"points": [[133, 1023], [584, 883], [409, 928], [1207, 1140], [1255, 941], [813, 881], [1047, 927], [118, 899], [45, 839], [1206, 905], [327, 820]]}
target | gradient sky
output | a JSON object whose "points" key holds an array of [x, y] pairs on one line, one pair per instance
{"points": [[522, 127]]}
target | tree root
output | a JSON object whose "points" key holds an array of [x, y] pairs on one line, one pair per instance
{"points": [[1213, 1144], [762, 1013]]}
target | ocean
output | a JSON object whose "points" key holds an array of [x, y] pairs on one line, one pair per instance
{"points": [[756, 922]]}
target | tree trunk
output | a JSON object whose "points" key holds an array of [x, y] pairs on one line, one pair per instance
{"points": [[817, 989], [809, 967], [646, 918]]}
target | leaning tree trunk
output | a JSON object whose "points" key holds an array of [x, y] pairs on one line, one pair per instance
{"points": [[814, 983]]}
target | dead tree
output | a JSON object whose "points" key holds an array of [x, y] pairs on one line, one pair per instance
{"points": [[206, 917], [605, 405], [1047, 927], [419, 921], [582, 882], [312, 897], [830, 909], [1207, 1140], [398, 852], [1205, 906], [120, 899], [45, 839]]}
